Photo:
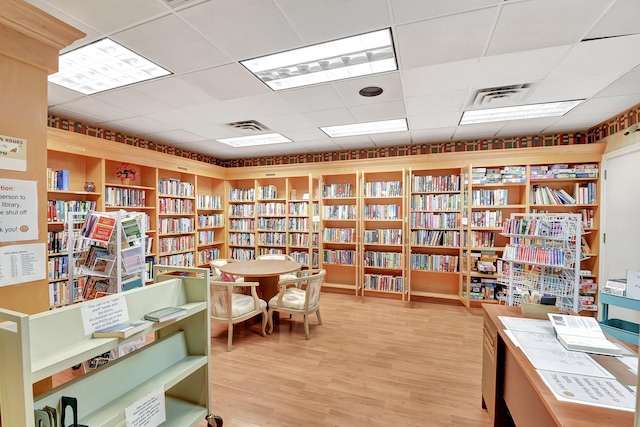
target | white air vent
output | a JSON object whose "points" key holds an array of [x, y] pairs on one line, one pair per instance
{"points": [[502, 95], [249, 127]]}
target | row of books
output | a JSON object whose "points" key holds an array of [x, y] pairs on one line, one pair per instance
{"points": [[486, 218], [176, 225], [383, 282], [433, 262], [116, 196], [242, 254], [176, 244], [242, 195], [62, 293], [383, 189], [272, 239], [267, 192], [57, 268], [212, 220], [551, 196], [377, 259], [271, 208], [448, 238], [242, 239], [209, 202], [391, 212], [58, 179], [563, 171], [301, 208], [206, 237], [336, 190], [58, 210], [427, 183], [175, 206], [243, 224], [339, 256], [272, 224], [481, 239], [185, 259], [435, 219], [240, 211], [436, 202], [206, 255], [485, 197], [302, 240], [299, 224], [482, 289], [303, 258], [175, 187], [339, 235], [506, 174], [383, 237], [529, 227], [57, 242], [339, 212], [534, 254]]}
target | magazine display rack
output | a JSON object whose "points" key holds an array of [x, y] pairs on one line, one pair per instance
{"points": [[175, 364], [542, 258]]}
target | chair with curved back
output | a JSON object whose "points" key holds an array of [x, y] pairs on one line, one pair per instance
{"points": [[229, 305], [286, 257], [215, 265], [299, 296]]}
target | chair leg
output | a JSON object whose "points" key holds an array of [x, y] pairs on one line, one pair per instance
{"points": [[270, 321], [264, 321], [306, 326], [318, 316], [229, 336]]}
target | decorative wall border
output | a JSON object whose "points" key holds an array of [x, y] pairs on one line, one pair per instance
{"points": [[596, 133]]}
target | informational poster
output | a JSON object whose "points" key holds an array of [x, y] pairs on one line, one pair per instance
{"points": [[22, 263], [13, 153], [104, 313], [148, 411], [18, 210]]}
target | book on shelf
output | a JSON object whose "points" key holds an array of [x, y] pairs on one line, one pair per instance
{"points": [[122, 330], [98, 227], [133, 259], [132, 283], [166, 313], [95, 287], [582, 333], [130, 229], [99, 259]]}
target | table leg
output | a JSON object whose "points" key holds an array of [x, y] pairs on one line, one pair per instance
{"points": [[268, 289]]}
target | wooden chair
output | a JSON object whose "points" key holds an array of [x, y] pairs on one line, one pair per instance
{"points": [[215, 265], [231, 307], [286, 257], [299, 296]]}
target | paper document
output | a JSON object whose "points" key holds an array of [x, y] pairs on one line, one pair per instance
{"points": [[562, 360], [604, 392], [524, 324]]}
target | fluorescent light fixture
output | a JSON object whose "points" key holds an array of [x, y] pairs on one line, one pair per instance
{"points": [[396, 125], [531, 111], [360, 55], [101, 66], [247, 141]]}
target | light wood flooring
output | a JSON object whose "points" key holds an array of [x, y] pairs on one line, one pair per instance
{"points": [[374, 362]]}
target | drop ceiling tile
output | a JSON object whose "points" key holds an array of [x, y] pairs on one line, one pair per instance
{"points": [[287, 122], [352, 142], [309, 19], [620, 19], [477, 131], [306, 134], [381, 111], [139, 125], [390, 139], [526, 127], [133, 101], [432, 135], [227, 81], [313, 98], [414, 10], [175, 91], [338, 116], [626, 85], [434, 121], [243, 29], [437, 103], [172, 44], [263, 105], [574, 123], [532, 66], [219, 112], [439, 78], [323, 145], [432, 42], [212, 131], [63, 111], [571, 87], [106, 112], [177, 118], [60, 95], [178, 136], [606, 108], [522, 25]]}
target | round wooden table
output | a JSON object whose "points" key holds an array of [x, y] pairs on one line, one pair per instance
{"points": [[264, 271]]}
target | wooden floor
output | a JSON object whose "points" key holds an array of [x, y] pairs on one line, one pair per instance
{"points": [[374, 362]]}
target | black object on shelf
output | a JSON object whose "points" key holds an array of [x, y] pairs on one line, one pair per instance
{"points": [[72, 402]]}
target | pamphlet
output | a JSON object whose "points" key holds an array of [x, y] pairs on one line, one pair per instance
{"points": [[582, 333]]}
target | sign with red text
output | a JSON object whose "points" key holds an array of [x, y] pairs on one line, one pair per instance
{"points": [[18, 210], [13, 153]]}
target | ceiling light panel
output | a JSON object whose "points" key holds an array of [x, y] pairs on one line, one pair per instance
{"points": [[396, 125], [262, 139], [355, 56], [531, 111], [103, 65]]}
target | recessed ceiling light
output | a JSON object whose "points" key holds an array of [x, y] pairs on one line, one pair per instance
{"points": [[531, 111], [370, 91], [396, 125], [101, 66], [355, 56], [262, 139]]}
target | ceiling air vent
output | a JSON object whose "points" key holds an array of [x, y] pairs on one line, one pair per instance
{"points": [[501, 95], [249, 127]]}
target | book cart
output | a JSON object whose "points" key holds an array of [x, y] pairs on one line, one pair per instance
{"points": [[542, 258]]}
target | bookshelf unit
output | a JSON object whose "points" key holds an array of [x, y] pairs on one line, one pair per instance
{"points": [[176, 219], [491, 195], [241, 199], [210, 220], [550, 184], [176, 362], [435, 233], [340, 210], [271, 215], [303, 216], [382, 245], [60, 205]]}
